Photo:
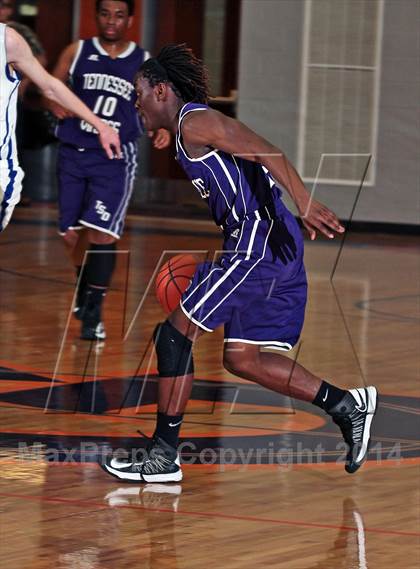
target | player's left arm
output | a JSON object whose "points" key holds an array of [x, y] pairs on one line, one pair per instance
{"points": [[212, 128], [20, 56]]}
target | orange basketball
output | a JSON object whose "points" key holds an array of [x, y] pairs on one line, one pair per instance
{"points": [[173, 279]]}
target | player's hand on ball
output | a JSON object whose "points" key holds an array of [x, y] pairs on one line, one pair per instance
{"points": [[110, 141], [317, 217]]}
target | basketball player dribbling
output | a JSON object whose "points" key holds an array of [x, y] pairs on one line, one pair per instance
{"points": [[93, 193], [235, 170], [16, 57]]}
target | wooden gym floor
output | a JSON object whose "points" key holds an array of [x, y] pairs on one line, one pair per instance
{"points": [[263, 482]]}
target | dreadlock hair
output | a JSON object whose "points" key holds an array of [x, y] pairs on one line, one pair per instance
{"points": [[130, 6], [178, 66]]}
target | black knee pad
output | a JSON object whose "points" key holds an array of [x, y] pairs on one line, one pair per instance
{"points": [[174, 351]]}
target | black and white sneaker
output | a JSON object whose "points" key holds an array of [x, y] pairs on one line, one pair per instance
{"points": [[161, 465], [92, 326], [354, 415]]}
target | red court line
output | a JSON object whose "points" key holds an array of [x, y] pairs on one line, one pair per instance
{"points": [[217, 467], [217, 515]]}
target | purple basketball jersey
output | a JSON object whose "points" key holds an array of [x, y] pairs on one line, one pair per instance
{"points": [[232, 186], [105, 85]]}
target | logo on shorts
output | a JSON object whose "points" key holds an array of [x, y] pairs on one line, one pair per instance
{"points": [[100, 208], [198, 183], [235, 234]]}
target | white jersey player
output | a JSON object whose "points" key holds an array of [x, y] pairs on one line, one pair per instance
{"points": [[15, 58]]}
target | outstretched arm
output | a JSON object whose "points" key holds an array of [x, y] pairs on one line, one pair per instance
{"points": [[20, 56], [212, 128], [61, 72]]}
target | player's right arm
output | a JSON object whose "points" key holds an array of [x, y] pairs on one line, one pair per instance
{"points": [[61, 72], [211, 128], [20, 56]]}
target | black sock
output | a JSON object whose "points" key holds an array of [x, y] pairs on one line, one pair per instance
{"points": [[328, 396], [81, 282], [167, 428], [100, 264], [78, 271], [94, 297]]}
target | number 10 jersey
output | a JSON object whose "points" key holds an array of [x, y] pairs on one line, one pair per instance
{"points": [[105, 85]]}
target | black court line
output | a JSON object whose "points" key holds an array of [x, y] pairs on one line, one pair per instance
{"points": [[360, 304], [36, 277], [364, 305], [129, 229], [69, 284]]}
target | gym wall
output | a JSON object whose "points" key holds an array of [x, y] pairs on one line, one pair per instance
{"points": [[338, 78]]}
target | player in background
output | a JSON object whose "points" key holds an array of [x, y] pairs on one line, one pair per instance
{"points": [[16, 58], [93, 193], [235, 170]]}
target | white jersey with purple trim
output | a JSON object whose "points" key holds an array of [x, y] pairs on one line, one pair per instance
{"points": [[233, 187], [11, 174]]}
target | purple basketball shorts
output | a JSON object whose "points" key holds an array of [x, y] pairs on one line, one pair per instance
{"points": [[257, 288], [94, 191]]}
